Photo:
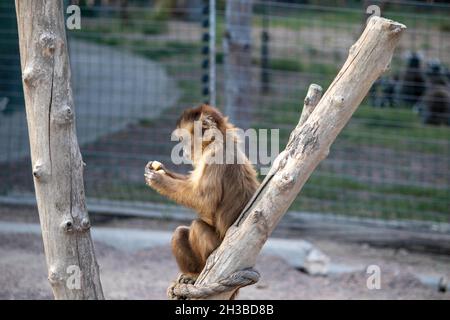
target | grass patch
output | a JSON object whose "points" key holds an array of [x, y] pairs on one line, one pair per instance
{"points": [[390, 128], [286, 65], [160, 51], [157, 50], [328, 17], [296, 19], [146, 122], [191, 90], [350, 197], [398, 129], [145, 21], [325, 69], [322, 180]]}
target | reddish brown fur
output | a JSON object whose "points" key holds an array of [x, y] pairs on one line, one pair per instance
{"points": [[217, 192]]}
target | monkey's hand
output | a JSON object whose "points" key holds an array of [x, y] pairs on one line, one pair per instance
{"points": [[155, 166], [154, 173]]}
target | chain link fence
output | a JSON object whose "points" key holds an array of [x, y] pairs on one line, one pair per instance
{"points": [[137, 64]]}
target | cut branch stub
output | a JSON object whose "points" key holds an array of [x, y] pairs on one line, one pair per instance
{"points": [[311, 100]]}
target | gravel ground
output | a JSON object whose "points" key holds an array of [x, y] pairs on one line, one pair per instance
{"points": [[146, 274]]}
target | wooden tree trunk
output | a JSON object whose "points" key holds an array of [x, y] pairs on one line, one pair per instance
{"points": [[56, 160], [308, 145], [238, 61]]}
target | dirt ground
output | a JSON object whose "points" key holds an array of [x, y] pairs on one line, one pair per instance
{"points": [[146, 274]]}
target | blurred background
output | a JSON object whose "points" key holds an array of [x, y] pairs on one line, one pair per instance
{"points": [[136, 64]]}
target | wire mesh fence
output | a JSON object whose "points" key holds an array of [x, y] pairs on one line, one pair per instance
{"points": [[137, 64]]}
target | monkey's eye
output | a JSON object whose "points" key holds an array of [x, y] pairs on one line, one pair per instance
{"points": [[181, 138]]}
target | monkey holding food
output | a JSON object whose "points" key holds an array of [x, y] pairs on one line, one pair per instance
{"points": [[218, 192]]}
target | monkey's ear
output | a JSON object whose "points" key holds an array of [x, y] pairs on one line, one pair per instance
{"points": [[193, 114], [189, 115]]}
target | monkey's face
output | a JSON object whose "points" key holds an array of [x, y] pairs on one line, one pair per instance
{"points": [[194, 140], [185, 134], [197, 128]]}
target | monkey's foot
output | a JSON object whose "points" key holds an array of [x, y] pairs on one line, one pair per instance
{"points": [[182, 279], [171, 293], [186, 278]]}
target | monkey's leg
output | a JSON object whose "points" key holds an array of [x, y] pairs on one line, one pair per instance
{"points": [[203, 239], [192, 246], [187, 261]]}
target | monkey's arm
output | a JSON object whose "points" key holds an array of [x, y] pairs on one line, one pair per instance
{"points": [[156, 165], [181, 191], [175, 175]]}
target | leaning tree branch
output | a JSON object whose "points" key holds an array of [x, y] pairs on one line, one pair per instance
{"points": [[56, 160], [308, 145]]}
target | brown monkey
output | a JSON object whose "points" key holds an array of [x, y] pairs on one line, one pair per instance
{"points": [[218, 192]]}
